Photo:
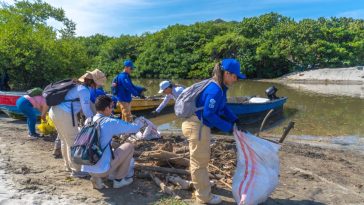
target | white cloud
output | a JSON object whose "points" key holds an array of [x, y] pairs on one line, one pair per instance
{"points": [[357, 14]]}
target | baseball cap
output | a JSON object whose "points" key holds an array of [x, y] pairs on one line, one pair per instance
{"points": [[233, 66], [129, 63], [163, 85]]}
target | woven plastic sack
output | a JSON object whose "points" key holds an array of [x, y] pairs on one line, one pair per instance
{"points": [[257, 172]]}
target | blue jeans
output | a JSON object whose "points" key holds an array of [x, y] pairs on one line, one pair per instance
{"points": [[26, 107]]}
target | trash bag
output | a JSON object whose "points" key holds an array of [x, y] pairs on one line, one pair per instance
{"points": [[148, 131], [47, 127], [257, 172]]}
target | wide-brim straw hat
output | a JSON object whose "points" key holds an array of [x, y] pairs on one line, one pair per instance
{"points": [[97, 75]]}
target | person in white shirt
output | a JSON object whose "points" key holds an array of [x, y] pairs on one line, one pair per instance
{"points": [[64, 115], [171, 91], [113, 168]]}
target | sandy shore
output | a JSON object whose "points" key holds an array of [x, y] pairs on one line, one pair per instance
{"points": [[310, 174], [351, 75], [327, 81]]}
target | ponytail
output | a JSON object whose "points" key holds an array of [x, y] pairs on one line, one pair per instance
{"points": [[218, 74]]}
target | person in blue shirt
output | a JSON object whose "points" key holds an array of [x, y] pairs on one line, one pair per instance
{"points": [[125, 89], [215, 114]]}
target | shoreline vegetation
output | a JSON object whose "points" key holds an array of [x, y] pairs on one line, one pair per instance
{"points": [[268, 46]]}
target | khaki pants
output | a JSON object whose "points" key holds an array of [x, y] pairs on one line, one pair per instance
{"points": [[121, 162], [199, 157], [67, 134], [125, 109]]}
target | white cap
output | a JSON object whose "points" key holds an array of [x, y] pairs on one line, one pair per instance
{"points": [[163, 85]]}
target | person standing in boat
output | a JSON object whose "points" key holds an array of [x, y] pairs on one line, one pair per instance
{"points": [[26, 105], [171, 91], [215, 114], [124, 88]]}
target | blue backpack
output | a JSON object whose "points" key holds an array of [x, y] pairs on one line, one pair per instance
{"points": [[86, 150], [114, 85]]}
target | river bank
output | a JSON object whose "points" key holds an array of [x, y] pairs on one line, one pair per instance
{"points": [[310, 174], [326, 81]]}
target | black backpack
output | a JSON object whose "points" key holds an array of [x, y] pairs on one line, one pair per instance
{"points": [[86, 150], [55, 93]]}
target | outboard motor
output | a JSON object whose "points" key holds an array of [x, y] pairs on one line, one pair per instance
{"points": [[271, 93]]}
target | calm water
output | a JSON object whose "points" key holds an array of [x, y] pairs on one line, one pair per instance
{"points": [[314, 114]]}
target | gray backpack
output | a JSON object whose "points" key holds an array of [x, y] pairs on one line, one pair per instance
{"points": [[185, 105]]}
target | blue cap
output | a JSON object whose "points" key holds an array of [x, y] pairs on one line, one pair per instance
{"points": [[233, 66], [129, 63]]}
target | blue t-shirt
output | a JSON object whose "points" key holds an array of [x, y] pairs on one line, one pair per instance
{"points": [[94, 93]]}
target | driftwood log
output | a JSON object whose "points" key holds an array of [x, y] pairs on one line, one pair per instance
{"points": [[176, 180], [164, 188], [167, 156], [141, 167]]}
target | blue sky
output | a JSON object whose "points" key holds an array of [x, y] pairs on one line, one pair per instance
{"points": [[116, 17]]}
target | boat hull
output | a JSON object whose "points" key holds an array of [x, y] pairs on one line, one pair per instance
{"points": [[247, 108], [8, 104]]}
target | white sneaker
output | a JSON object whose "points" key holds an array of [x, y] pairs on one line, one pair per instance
{"points": [[33, 136], [215, 199], [97, 183], [123, 182]]}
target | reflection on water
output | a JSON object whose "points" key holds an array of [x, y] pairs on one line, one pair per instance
{"points": [[314, 113]]}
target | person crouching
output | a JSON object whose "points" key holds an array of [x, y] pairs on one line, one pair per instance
{"points": [[113, 164]]}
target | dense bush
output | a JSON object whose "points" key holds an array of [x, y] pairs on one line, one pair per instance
{"points": [[267, 46]]}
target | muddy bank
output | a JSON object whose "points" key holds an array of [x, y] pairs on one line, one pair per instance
{"points": [[327, 81], [309, 175], [352, 75]]}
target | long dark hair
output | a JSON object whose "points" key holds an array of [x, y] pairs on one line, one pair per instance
{"points": [[218, 74]]}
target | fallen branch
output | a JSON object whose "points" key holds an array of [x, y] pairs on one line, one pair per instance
{"points": [[161, 169], [176, 180], [179, 150], [170, 156], [163, 187]]}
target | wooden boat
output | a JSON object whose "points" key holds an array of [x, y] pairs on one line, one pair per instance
{"points": [[149, 103], [8, 104]]}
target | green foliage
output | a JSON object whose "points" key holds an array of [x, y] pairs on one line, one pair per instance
{"points": [[30, 50], [267, 46]]}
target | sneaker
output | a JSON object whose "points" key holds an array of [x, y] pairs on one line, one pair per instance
{"points": [[97, 183], [33, 136], [79, 174], [215, 199], [123, 182]]}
